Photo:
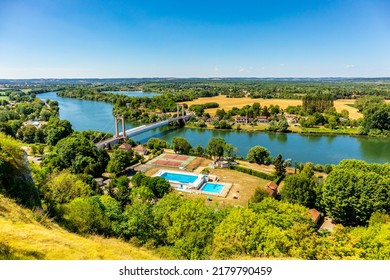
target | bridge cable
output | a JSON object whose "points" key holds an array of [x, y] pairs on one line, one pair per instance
{"points": [[103, 132], [104, 136]]}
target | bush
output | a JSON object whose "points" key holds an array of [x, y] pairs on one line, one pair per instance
{"points": [[253, 172]]}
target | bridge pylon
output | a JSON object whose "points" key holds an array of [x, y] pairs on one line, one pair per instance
{"points": [[122, 119], [179, 107]]}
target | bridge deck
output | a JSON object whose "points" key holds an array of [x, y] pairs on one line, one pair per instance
{"points": [[138, 130]]}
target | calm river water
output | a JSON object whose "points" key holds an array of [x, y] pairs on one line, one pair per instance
{"points": [[97, 115]]}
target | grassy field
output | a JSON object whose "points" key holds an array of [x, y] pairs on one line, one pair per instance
{"points": [[23, 237], [324, 130], [229, 103]]}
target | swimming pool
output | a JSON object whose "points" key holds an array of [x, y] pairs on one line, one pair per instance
{"points": [[212, 188], [179, 177]]}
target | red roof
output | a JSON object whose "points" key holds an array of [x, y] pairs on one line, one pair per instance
{"points": [[272, 185], [315, 215]]}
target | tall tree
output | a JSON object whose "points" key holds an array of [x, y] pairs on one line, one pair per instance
{"points": [[181, 146], [119, 161], [280, 168], [216, 147], [258, 154]]}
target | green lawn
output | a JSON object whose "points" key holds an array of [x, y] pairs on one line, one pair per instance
{"points": [[324, 130]]}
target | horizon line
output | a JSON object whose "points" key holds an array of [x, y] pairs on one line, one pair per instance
{"points": [[215, 77]]}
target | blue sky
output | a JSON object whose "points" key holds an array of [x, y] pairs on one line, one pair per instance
{"points": [[119, 38]]}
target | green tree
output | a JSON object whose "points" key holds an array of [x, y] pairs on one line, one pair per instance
{"points": [[280, 169], [228, 241], [62, 187], [259, 195], [113, 211], [138, 222], [86, 216], [120, 189], [299, 188], [181, 146], [137, 179], [198, 151], [185, 224], [159, 186], [355, 189], [333, 122], [258, 154], [56, 130], [216, 147], [119, 161], [282, 125], [141, 194], [157, 144], [230, 152], [70, 147]]}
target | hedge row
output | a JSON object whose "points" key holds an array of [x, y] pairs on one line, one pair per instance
{"points": [[253, 172]]}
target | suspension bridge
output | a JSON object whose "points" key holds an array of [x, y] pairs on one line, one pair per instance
{"points": [[139, 129]]}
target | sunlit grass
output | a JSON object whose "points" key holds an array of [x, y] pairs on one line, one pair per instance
{"points": [[25, 238]]}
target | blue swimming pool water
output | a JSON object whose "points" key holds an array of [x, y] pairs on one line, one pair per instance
{"points": [[182, 178], [213, 188]]}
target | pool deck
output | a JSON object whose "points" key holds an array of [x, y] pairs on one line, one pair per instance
{"points": [[225, 190], [189, 188]]}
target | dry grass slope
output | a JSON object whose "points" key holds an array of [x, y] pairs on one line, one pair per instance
{"points": [[26, 235]]}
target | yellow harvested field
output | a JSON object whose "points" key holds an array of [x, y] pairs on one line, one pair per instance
{"points": [[342, 104], [228, 103]]}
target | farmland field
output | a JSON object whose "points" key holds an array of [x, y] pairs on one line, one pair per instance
{"points": [[228, 103]]}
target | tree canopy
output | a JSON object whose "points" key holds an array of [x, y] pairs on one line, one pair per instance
{"points": [[181, 146], [354, 190], [216, 147], [258, 154]]}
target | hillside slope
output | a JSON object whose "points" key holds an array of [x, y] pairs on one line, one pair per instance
{"points": [[23, 237]]}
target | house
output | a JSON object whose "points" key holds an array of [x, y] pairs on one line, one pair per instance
{"points": [[291, 118], [141, 150], [240, 119], [262, 119], [125, 147], [222, 163], [315, 215], [272, 188]]}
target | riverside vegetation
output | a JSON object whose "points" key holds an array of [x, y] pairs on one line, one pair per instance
{"points": [[145, 212]]}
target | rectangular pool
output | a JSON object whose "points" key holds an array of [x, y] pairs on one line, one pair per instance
{"points": [[212, 188], [177, 177]]}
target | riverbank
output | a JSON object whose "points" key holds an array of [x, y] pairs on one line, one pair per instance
{"points": [[300, 147], [354, 131]]}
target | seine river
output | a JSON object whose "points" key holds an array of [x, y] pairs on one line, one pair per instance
{"points": [[321, 149]]}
